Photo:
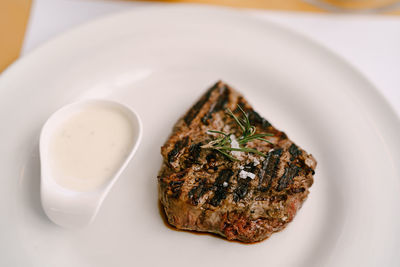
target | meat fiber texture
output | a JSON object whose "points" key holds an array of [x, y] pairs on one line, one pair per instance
{"points": [[246, 200]]}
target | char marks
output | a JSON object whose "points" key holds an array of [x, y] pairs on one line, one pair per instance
{"points": [[243, 185], [242, 189], [198, 191], [294, 152], [176, 188], [179, 145], [220, 190], [220, 104], [256, 119], [269, 169], [192, 113], [194, 153], [291, 171]]}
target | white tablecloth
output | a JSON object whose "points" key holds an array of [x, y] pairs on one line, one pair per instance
{"points": [[370, 43]]}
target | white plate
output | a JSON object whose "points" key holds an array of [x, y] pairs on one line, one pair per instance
{"points": [[159, 60]]}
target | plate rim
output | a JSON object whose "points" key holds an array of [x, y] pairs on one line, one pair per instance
{"points": [[244, 13], [371, 92]]}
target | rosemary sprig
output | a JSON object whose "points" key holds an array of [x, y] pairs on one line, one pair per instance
{"points": [[223, 143], [255, 136], [242, 149], [226, 155]]}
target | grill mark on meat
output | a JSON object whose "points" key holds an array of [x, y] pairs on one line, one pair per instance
{"points": [[242, 104], [217, 106], [220, 191], [269, 170], [194, 153], [296, 190], [301, 163], [197, 192], [287, 178], [242, 189], [179, 145], [278, 198], [176, 188], [194, 111], [243, 184], [174, 183], [294, 152], [250, 168], [212, 156], [212, 162], [181, 174], [255, 118]]}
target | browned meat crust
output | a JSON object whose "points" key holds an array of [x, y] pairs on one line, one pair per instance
{"points": [[201, 190]]}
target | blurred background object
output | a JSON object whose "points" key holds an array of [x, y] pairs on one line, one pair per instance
{"points": [[361, 6], [14, 14]]}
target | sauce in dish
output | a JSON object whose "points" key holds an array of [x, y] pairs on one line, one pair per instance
{"points": [[88, 148]]}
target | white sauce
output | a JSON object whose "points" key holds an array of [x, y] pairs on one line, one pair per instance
{"points": [[88, 148]]}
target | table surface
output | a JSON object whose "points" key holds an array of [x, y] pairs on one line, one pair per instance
{"points": [[370, 43]]}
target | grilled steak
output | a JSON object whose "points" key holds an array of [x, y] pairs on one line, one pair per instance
{"points": [[247, 199]]}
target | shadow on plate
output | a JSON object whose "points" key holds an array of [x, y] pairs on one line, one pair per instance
{"points": [[29, 186]]}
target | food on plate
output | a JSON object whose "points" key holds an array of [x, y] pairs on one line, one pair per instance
{"points": [[227, 170]]}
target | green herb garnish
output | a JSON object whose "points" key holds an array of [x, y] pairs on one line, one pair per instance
{"points": [[223, 143]]}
